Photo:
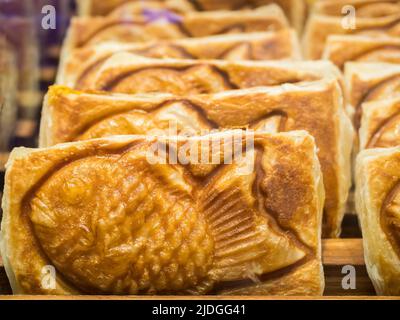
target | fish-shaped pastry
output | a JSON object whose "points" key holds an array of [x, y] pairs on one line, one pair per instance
{"points": [[380, 124], [80, 68], [129, 73], [356, 48], [70, 115], [295, 9], [370, 81], [372, 18], [378, 208], [147, 215], [88, 31]]}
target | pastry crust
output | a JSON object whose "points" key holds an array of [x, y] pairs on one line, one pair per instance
{"points": [[317, 107], [83, 63], [380, 124], [87, 31], [128, 73], [114, 249], [342, 49], [367, 82], [320, 26], [294, 9], [364, 8], [377, 196]]}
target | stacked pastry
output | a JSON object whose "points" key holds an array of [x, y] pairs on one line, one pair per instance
{"points": [[117, 198], [365, 45]]}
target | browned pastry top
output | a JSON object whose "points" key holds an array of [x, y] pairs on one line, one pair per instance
{"points": [[380, 124], [91, 30], [341, 49], [321, 26], [85, 62], [111, 6], [75, 115], [378, 87], [385, 181], [364, 8], [126, 73], [112, 222]]}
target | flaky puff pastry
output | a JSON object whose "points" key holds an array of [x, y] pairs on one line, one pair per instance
{"points": [[70, 115], [294, 9], [364, 8], [320, 26], [82, 64], [380, 124], [129, 73], [144, 215], [377, 202], [367, 82], [343, 49], [87, 31]]}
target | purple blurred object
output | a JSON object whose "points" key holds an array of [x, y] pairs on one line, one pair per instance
{"points": [[153, 15]]}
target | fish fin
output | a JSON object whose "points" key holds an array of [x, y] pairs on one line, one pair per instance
{"points": [[247, 242]]}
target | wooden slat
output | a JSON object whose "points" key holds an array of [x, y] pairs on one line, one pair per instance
{"points": [[342, 252]]}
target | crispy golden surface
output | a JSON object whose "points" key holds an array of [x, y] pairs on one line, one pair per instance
{"points": [[374, 18], [316, 107], [294, 9], [112, 222], [377, 200], [129, 73], [87, 31], [342, 49], [380, 124], [367, 82], [81, 66]]}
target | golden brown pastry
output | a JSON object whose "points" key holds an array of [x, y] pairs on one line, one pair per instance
{"points": [[368, 82], [364, 8], [81, 66], [137, 7], [377, 201], [8, 92], [294, 9], [320, 26], [70, 115], [87, 31], [342, 49], [380, 124], [119, 216], [128, 73]]}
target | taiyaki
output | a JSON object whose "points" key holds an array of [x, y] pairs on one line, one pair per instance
{"points": [[377, 203], [111, 216], [70, 115]]}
